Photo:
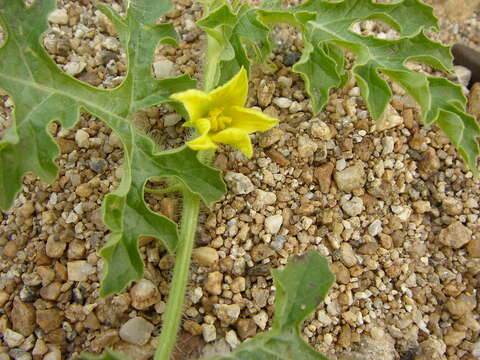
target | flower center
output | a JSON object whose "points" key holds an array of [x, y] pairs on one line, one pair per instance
{"points": [[217, 120]]}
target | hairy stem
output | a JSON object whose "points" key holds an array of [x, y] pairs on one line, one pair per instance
{"points": [[173, 315]]}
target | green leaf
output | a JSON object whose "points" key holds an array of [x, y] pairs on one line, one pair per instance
{"points": [[325, 27], [43, 93], [234, 37], [300, 286]]}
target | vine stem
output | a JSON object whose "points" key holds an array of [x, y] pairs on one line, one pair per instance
{"points": [[173, 315]]}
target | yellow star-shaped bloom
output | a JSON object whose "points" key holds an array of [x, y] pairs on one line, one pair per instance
{"points": [[220, 116]]}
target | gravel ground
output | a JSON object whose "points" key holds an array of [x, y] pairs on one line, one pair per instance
{"points": [[391, 206]]}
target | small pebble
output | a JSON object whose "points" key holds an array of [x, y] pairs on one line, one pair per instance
{"points": [[136, 331]]}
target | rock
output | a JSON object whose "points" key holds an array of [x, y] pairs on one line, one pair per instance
{"points": [[20, 354], [323, 176], [82, 138], [23, 317], [74, 68], [351, 178], [98, 165], [364, 149], [473, 247], [238, 183], [375, 227], [205, 256], [389, 119], [58, 16], [238, 285], [55, 248], [278, 242], [232, 339], [388, 144], [270, 137], [228, 314], [84, 190], [320, 130], [432, 348], [136, 331], [474, 100], [273, 224], [265, 92], [4, 296], [209, 332], [171, 119], [306, 147], [452, 206], [263, 199], [421, 206], [49, 319], [282, 102], [55, 354], [144, 294], [12, 338], [430, 162], [261, 251], [347, 255], [164, 69], [214, 283], [51, 291], [10, 249], [79, 270], [454, 337], [39, 349], [246, 328], [341, 272], [192, 327], [463, 75], [352, 207], [455, 235], [27, 209], [462, 305]]}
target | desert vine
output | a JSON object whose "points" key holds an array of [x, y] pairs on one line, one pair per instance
{"points": [[238, 34]]}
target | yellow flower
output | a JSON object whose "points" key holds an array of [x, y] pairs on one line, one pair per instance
{"points": [[220, 116]]}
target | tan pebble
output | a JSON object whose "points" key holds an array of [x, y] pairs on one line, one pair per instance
{"points": [[347, 255], [144, 294], [246, 328], [26, 210], [79, 270], [452, 206], [228, 314], [473, 247], [192, 327], [205, 256], [55, 248], [238, 285], [104, 340], [10, 249], [463, 305], [474, 101], [323, 176], [4, 296], [51, 291], [39, 349], [455, 235], [454, 337], [430, 163], [341, 272], [214, 283], [421, 206], [12, 338], [351, 178], [23, 317], [261, 252], [136, 331], [49, 319], [83, 190]]}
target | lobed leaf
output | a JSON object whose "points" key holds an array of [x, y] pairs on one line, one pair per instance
{"points": [[326, 29], [43, 93], [232, 32], [300, 286]]}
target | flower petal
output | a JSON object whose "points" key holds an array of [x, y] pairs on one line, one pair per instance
{"points": [[203, 142], [250, 120], [195, 101], [234, 92], [235, 137]]}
